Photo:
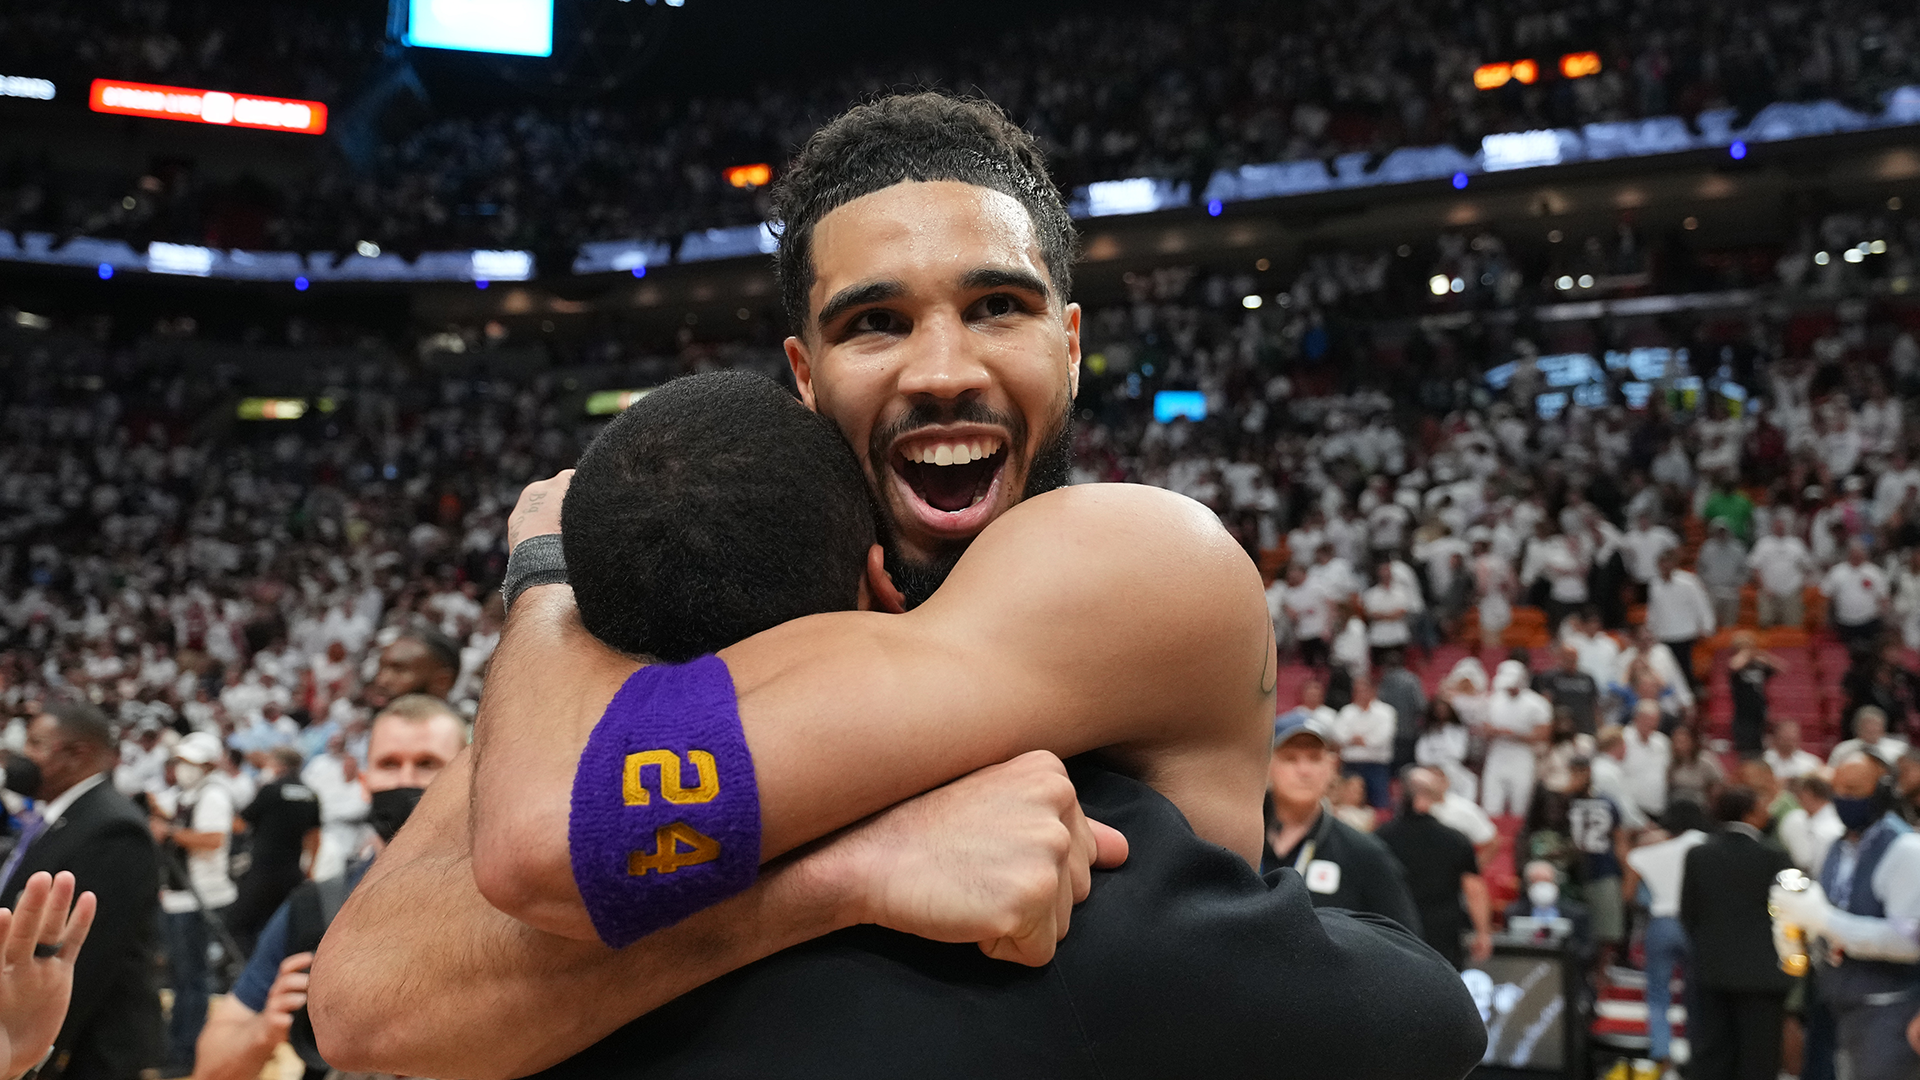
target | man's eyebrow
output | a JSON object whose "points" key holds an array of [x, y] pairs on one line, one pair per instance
{"points": [[1000, 277], [853, 296]]}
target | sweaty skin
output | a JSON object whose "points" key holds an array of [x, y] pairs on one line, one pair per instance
{"points": [[932, 315], [1108, 616]]}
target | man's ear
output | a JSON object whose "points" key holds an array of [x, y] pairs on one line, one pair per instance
{"points": [[880, 585], [802, 367], [1072, 319]]}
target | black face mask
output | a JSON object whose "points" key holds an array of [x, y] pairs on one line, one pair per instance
{"points": [[388, 810], [23, 776]]}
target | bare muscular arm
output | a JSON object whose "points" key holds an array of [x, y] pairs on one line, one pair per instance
{"points": [[1103, 616], [997, 857]]}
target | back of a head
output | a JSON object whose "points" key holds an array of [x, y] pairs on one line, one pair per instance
{"points": [[1734, 803], [81, 722], [713, 508]]}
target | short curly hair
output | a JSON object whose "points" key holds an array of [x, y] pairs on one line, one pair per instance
{"points": [[919, 136]]}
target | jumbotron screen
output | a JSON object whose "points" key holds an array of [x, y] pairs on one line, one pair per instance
{"points": [[515, 27]]}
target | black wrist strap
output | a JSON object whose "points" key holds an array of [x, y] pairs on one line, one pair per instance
{"points": [[537, 560]]}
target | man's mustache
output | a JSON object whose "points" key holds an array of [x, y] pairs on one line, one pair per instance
{"points": [[926, 414]]}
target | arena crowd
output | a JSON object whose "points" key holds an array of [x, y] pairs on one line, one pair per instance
{"points": [[1597, 627], [1136, 91]]}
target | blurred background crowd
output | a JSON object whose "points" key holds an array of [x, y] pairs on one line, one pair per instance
{"points": [[1601, 518]]}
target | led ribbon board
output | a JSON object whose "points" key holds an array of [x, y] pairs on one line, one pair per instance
{"points": [[207, 107]]}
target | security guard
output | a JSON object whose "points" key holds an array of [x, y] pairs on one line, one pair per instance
{"points": [[1343, 867], [1868, 935]]}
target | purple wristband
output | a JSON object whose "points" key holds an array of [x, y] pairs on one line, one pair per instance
{"points": [[665, 817]]}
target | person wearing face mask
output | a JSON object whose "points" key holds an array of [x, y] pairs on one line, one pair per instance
{"points": [[80, 823], [1543, 901], [1862, 923], [412, 739], [195, 839]]}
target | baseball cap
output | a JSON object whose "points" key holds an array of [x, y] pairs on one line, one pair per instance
{"points": [[199, 748], [1296, 721]]}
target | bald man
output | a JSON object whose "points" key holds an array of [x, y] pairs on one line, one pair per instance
{"points": [[1442, 869], [1866, 908]]}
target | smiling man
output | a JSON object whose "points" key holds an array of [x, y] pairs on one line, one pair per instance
{"points": [[925, 261]]}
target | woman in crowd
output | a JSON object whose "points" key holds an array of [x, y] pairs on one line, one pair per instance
{"points": [[1446, 745], [1695, 776]]}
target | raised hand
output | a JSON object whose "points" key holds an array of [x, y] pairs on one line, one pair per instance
{"points": [[39, 940], [538, 511]]}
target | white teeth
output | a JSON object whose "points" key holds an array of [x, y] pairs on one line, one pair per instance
{"points": [[953, 453]]}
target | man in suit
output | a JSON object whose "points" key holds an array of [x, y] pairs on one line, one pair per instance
{"points": [[1740, 993], [112, 1031]]}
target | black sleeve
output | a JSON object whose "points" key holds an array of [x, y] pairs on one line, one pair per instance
{"points": [[1387, 891], [1469, 860], [122, 870], [251, 815], [306, 813], [1689, 896], [1236, 980]]}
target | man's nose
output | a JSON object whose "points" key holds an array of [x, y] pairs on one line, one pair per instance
{"points": [[943, 361]]}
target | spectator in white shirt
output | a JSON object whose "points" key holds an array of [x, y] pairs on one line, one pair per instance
{"points": [[1662, 865], [1387, 605], [1518, 720], [1785, 757], [1445, 744], [1679, 612], [1610, 778], [1309, 612], [1900, 479], [1277, 607], [1722, 568], [1649, 754], [1859, 594], [1599, 651], [1333, 574], [1642, 545], [1783, 567], [1662, 661], [1906, 599], [1869, 734], [1808, 830], [1365, 730]]}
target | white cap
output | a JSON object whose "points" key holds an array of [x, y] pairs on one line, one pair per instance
{"points": [[1509, 674], [199, 748]]}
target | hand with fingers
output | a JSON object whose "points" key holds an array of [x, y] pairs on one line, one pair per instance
{"points": [[287, 996], [998, 857], [39, 939], [538, 511]]}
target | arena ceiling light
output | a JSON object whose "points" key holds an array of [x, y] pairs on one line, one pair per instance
{"points": [[207, 107], [1579, 65], [749, 176], [22, 86]]}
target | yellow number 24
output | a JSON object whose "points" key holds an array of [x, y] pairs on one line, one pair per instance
{"points": [[667, 856], [671, 790]]}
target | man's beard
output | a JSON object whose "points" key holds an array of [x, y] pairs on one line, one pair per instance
{"points": [[918, 578]]}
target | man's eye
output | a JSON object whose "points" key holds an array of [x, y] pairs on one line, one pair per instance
{"points": [[999, 305], [876, 321]]}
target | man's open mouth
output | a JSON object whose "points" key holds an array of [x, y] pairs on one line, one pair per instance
{"points": [[946, 476]]}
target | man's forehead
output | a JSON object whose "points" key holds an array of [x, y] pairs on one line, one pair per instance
{"points": [[922, 232]]}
